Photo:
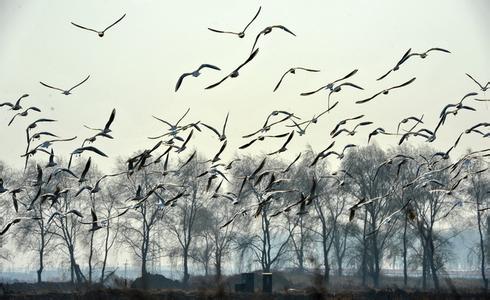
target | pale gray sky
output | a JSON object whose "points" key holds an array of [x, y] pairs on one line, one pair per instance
{"points": [[134, 68]]}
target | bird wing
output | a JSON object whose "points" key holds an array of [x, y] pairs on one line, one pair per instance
{"points": [[369, 99], [226, 122], [403, 84], [111, 119], [217, 83], [223, 146], [350, 84], [221, 31], [212, 129], [474, 80], [306, 69], [79, 83], [282, 77], [93, 149], [208, 66], [179, 81], [292, 163], [6, 104], [247, 144], [283, 28], [51, 87], [313, 92], [85, 170], [248, 59], [82, 27], [253, 19], [183, 116], [438, 49], [118, 20], [13, 118], [288, 139], [384, 75], [347, 76]]}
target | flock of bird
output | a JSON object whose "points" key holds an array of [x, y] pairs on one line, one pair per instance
{"points": [[177, 135]]}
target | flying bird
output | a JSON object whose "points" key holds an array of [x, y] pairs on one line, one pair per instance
{"points": [[268, 30], [483, 88], [107, 127], [195, 73], [235, 72], [330, 86], [100, 33], [15, 221], [397, 66], [24, 113], [16, 105], [283, 148], [385, 92], [293, 71], [221, 135], [240, 34], [343, 122], [65, 92]]}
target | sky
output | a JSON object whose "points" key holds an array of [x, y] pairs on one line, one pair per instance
{"points": [[135, 66]]}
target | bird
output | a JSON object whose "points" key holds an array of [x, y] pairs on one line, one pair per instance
{"points": [[221, 149], [24, 113], [338, 88], [377, 131], [424, 54], [2, 187], [16, 105], [386, 91], [261, 138], [321, 154], [64, 214], [341, 154], [482, 88], [283, 148], [95, 223], [83, 149], [353, 131], [268, 30], [100, 33], [14, 198], [107, 127], [65, 92], [15, 221], [240, 34], [235, 72], [221, 135], [85, 170], [195, 73], [397, 66], [51, 162], [293, 71], [343, 122], [291, 164], [174, 128], [330, 86], [417, 121]]}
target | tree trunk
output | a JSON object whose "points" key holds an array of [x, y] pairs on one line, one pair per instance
{"points": [[482, 247], [405, 266], [106, 254], [364, 251], [41, 261], [90, 256], [433, 268], [185, 280], [218, 265]]}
